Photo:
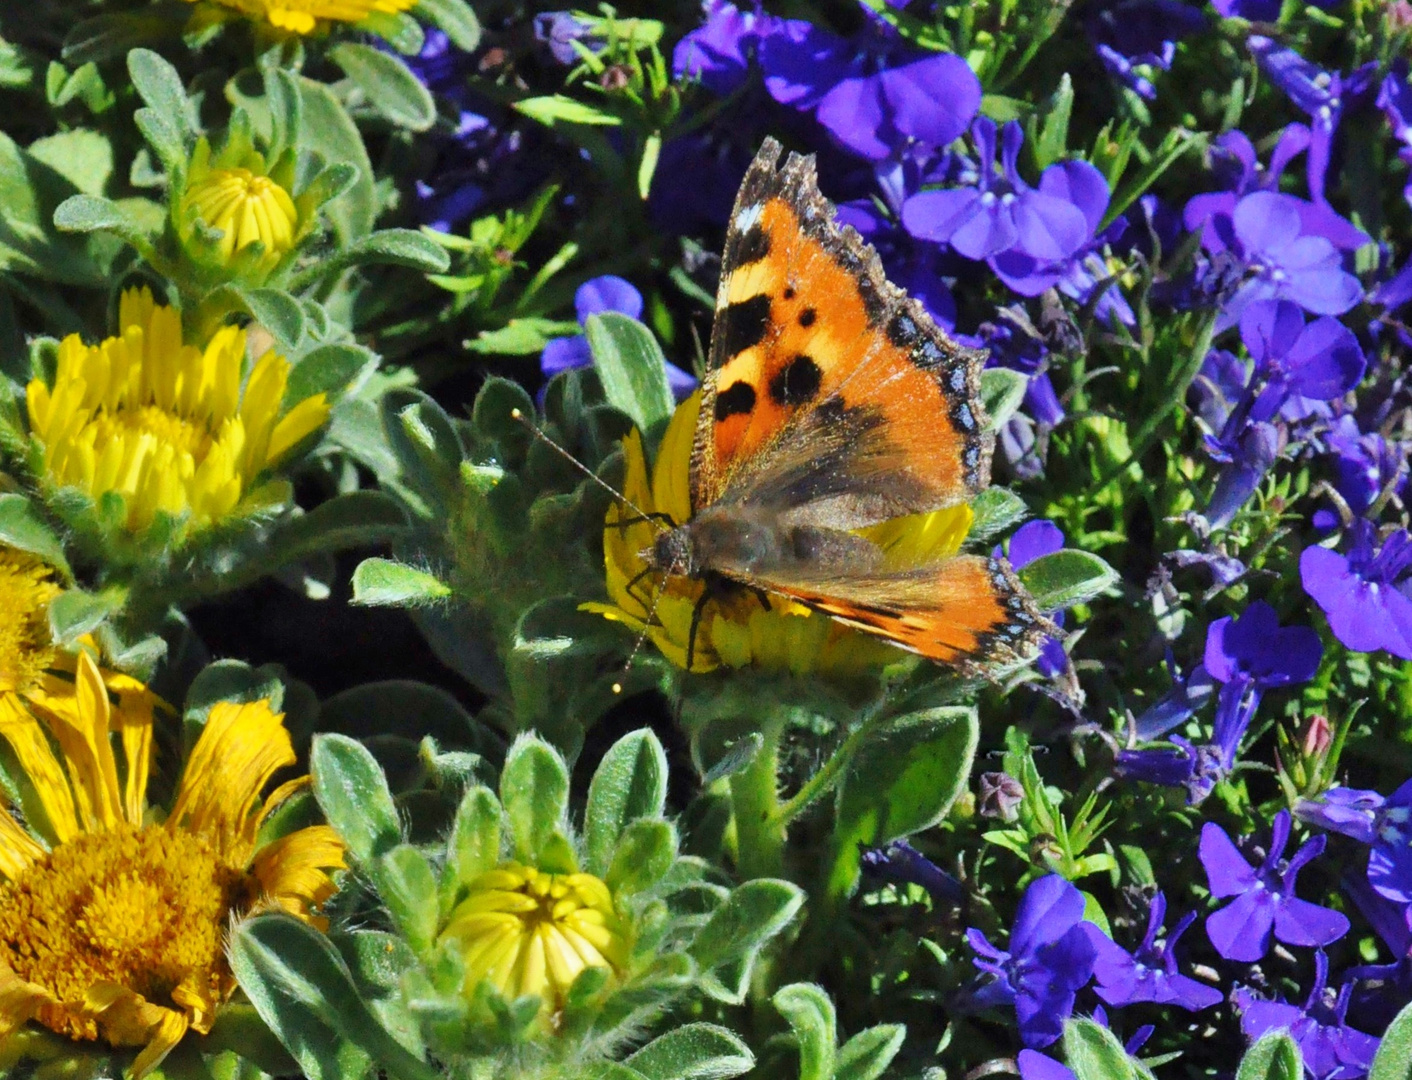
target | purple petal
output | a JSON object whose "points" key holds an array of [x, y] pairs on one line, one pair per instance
{"points": [[802, 62], [1050, 908], [1262, 1016], [1241, 929], [561, 354], [607, 293], [853, 111], [1264, 220], [1325, 362], [1049, 228], [933, 99], [1298, 922], [1227, 872], [1079, 183], [1035, 1066], [1390, 871], [939, 215], [1364, 616], [1269, 328], [1033, 539]]}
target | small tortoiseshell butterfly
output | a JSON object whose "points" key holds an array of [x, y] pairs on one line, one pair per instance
{"points": [[832, 402]]}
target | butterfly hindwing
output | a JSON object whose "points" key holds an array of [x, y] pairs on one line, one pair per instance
{"points": [[811, 339]]}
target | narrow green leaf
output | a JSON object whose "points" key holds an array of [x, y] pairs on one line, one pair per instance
{"points": [[558, 109], [1394, 1058], [473, 848], [693, 1052], [1064, 578], [454, 18], [353, 794], [408, 888], [385, 583], [389, 87], [397, 247], [629, 783], [160, 86], [352, 519], [534, 789], [1054, 135], [867, 1054], [326, 370], [811, 1017], [22, 527], [633, 371], [278, 312], [644, 853]]}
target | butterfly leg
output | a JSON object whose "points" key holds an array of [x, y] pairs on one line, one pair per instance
{"points": [[642, 598], [656, 515], [696, 611]]}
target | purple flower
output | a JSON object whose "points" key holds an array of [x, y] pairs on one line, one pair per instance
{"points": [[999, 211], [1364, 465], [606, 293], [1132, 34], [560, 29], [1031, 541], [1179, 704], [1036, 1066], [874, 93], [901, 864], [1395, 99], [1251, 10], [1383, 823], [719, 51], [1149, 973], [1264, 901], [1049, 960], [1256, 647], [1320, 361], [1361, 593], [1330, 1048]]}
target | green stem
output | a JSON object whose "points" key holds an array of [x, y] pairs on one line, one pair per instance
{"points": [[756, 804], [1146, 435], [823, 780]]}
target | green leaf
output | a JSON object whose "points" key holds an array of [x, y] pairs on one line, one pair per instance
{"points": [[274, 309], [160, 86], [1393, 1060], [455, 18], [326, 370], [1094, 1053], [520, 337], [385, 583], [633, 371], [93, 213], [427, 445], [558, 109], [353, 519], [22, 527], [534, 789], [644, 854], [811, 1017], [1053, 139], [867, 1054], [473, 848], [629, 783], [389, 87], [325, 127], [1002, 391], [105, 36], [753, 914], [693, 1052], [408, 888], [996, 509], [397, 247], [81, 156], [304, 991], [1065, 578], [352, 792], [74, 613]]}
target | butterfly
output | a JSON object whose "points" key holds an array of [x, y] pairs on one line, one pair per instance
{"points": [[832, 402]]}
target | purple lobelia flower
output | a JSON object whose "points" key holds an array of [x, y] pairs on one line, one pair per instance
{"points": [[1380, 990], [1036, 1066], [1251, 10], [1256, 649], [1319, 361], [1032, 540], [874, 93], [1330, 1048], [1362, 593], [1049, 960], [1129, 35], [1395, 100], [1364, 464], [899, 863], [718, 53], [1149, 973], [1264, 903], [1384, 823], [560, 29], [606, 293], [1178, 705], [998, 212]]}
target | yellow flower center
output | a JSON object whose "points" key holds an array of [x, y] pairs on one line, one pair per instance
{"points": [[143, 908], [302, 16], [246, 208], [531, 933], [26, 649]]}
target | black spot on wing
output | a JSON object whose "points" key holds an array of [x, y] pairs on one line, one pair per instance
{"points": [[807, 317], [751, 246], [797, 382], [742, 326], [736, 399]]}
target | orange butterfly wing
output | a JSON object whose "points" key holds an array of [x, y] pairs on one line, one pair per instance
{"points": [[808, 329]]}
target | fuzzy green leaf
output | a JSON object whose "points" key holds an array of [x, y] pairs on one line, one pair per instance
{"points": [[558, 109], [811, 1017], [753, 914], [75, 613], [454, 18], [1094, 1053], [387, 84], [633, 371], [395, 247], [326, 370], [160, 86], [93, 213], [644, 853], [1394, 1057], [407, 886], [995, 510], [867, 1054], [385, 583], [693, 1052], [22, 527], [1002, 390], [473, 848], [1274, 1057], [534, 789], [278, 312], [629, 783], [1064, 578], [352, 791]]}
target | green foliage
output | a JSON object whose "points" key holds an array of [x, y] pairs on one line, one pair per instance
{"points": [[1394, 1057], [1274, 1056]]}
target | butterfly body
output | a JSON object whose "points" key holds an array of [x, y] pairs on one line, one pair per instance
{"points": [[831, 405]]}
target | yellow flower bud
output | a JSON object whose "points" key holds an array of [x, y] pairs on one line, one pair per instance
{"points": [[247, 209]]}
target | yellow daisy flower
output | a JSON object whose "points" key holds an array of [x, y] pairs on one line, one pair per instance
{"points": [[304, 16], [738, 631], [112, 921], [164, 424], [532, 933]]}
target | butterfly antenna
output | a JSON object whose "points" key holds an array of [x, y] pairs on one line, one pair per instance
{"points": [[646, 624], [538, 433]]}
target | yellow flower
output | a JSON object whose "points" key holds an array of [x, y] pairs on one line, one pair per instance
{"points": [[738, 631], [112, 921], [164, 424], [303, 16], [247, 209], [531, 933]]}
